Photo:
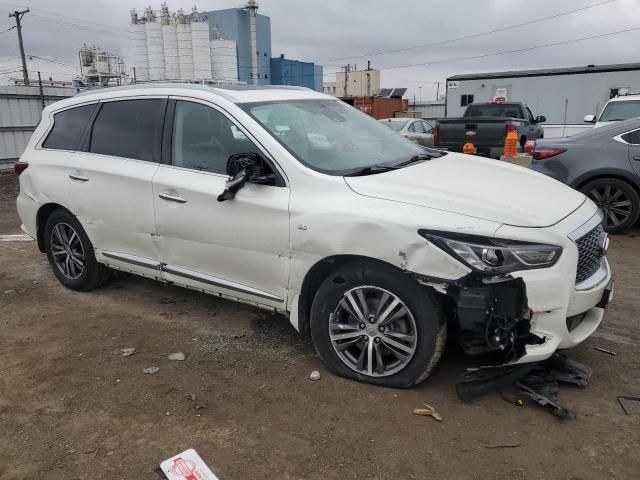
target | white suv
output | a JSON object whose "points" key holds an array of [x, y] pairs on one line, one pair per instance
{"points": [[293, 201], [617, 109]]}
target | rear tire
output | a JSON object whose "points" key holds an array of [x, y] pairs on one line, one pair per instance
{"points": [[71, 254], [395, 348], [619, 202]]}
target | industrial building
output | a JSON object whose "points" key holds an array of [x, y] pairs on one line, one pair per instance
{"points": [[294, 72], [100, 68], [563, 95], [177, 47], [357, 83], [252, 34]]}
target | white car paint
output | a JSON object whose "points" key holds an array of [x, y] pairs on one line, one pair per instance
{"points": [[259, 247], [635, 99]]}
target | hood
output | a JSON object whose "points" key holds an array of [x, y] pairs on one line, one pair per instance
{"points": [[477, 187]]}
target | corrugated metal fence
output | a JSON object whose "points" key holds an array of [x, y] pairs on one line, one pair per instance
{"points": [[20, 112]]}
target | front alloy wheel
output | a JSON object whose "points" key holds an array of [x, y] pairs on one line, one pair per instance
{"points": [[373, 332], [372, 322]]}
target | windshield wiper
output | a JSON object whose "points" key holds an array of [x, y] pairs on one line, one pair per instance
{"points": [[421, 157], [371, 170]]}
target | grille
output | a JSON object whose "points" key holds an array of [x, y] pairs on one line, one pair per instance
{"points": [[589, 253]]}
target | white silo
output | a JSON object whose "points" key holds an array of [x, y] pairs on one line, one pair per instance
{"points": [[201, 48], [139, 48], [224, 60], [170, 38], [185, 48], [155, 47]]}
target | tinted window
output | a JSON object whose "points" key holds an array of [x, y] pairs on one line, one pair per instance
{"points": [[494, 110], [427, 127], [632, 137], [128, 128], [204, 139], [68, 127]]}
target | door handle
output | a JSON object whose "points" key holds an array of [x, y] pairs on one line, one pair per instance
{"points": [[79, 178], [637, 157], [171, 198]]}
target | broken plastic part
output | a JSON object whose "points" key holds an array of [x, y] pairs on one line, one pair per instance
{"points": [[493, 315]]}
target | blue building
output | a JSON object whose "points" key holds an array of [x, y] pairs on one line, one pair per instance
{"points": [[233, 24], [295, 72]]}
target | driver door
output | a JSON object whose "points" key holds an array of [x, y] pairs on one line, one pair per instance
{"points": [[239, 247]]}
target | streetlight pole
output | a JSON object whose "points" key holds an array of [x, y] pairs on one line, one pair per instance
{"points": [[18, 14]]}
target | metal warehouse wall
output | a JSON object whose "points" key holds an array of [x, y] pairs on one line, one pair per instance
{"points": [[563, 99], [20, 112]]}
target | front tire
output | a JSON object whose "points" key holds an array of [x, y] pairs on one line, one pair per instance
{"points": [[619, 202], [373, 323], [71, 254]]}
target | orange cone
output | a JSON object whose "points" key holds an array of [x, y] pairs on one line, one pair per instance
{"points": [[511, 144]]}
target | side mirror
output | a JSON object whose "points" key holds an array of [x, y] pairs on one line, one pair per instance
{"points": [[243, 168], [589, 119], [541, 119]]}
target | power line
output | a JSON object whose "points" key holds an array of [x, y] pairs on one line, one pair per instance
{"points": [[475, 35], [53, 61], [517, 50], [8, 29], [79, 27]]}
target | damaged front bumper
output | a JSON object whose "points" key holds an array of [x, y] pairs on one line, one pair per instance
{"points": [[527, 316]]}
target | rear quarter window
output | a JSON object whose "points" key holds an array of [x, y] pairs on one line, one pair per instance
{"points": [[68, 127]]}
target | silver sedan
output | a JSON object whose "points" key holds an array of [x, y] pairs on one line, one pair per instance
{"points": [[416, 130]]}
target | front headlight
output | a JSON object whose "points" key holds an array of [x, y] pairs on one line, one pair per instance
{"points": [[493, 255]]}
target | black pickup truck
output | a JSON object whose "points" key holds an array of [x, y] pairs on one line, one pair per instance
{"points": [[485, 125]]}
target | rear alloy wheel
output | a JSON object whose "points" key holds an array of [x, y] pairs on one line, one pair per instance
{"points": [[71, 254], [619, 202], [374, 323]]}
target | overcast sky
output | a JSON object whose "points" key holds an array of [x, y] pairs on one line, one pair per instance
{"points": [[327, 31]]}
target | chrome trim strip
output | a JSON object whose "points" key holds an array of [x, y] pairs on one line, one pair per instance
{"points": [[596, 278], [585, 228], [218, 282], [133, 259]]}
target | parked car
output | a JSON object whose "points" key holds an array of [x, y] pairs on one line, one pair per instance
{"points": [[417, 130], [616, 110], [485, 125], [602, 163], [372, 245]]}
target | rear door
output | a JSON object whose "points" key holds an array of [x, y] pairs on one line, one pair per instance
{"points": [[238, 247], [633, 139], [109, 182]]}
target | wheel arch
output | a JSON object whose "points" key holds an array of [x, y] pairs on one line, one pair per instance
{"points": [[44, 212], [600, 174], [318, 273]]}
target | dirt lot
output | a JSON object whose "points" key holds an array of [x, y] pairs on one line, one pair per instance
{"points": [[71, 408]]}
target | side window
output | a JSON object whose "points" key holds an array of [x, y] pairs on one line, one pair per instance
{"points": [[466, 100], [204, 139], [427, 127], [529, 115], [128, 128], [632, 137], [412, 127], [68, 127]]}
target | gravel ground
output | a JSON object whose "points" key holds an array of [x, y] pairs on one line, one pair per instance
{"points": [[73, 407]]}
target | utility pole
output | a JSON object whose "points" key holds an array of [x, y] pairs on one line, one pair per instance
{"points": [[18, 14], [346, 80], [41, 90], [438, 92]]}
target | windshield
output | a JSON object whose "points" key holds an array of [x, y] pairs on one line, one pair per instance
{"points": [[494, 110], [616, 111], [331, 136], [394, 124]]}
